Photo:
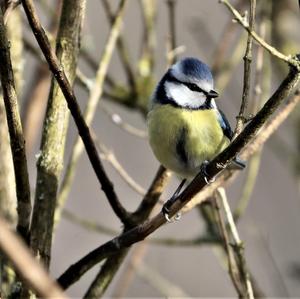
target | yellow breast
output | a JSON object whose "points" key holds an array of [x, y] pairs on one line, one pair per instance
{"points": [[200, 130]]}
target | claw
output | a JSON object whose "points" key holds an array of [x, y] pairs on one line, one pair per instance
{"points": [[166, 212], [205, 174]]}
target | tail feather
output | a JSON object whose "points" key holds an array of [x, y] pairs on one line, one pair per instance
{"points": [[237, 164]]}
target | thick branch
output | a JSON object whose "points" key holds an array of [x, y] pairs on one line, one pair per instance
{"points": [[16, 134], [140, 232], [50, 161]]}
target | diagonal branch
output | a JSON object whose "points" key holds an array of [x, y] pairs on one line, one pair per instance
{"points": [[82, 127], [28, 267], [140, 232]]}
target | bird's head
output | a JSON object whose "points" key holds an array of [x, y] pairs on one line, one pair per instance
{"points": [[187, 84]]}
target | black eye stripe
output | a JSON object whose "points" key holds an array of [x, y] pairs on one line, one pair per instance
{"points": [[194, 87], [191, 86]]}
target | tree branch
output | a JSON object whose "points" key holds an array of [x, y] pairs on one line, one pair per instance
{"points": [[82, 127], [16, 134], [140, 232], [241, 119], [50, 160], [29, 269], [273, 51]]}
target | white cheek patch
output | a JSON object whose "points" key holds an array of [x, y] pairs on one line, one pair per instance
{"points": [[183, 96]]}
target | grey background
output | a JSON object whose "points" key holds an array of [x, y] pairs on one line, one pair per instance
{"points": [[270, 227]]}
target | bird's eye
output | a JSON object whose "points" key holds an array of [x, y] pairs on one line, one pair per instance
{"points": [[193, 87]]}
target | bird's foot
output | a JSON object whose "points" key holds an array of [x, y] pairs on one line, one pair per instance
{"points": [[203, 171], [166, 211]]}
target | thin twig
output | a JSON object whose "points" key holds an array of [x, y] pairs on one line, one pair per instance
{"points": [[147, 59], [226, 71], [25, 264], [16, 134], [122, 49], [241, 118], [238, 244], [158, 281], [94, 98], [225, 43], [12, 4], [140, 232], [172, 54], [232, 265], [99, 228], [111, 158], [273, 51], [118, 121], [261, 90]]}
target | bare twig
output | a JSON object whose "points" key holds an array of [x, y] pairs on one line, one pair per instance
{"points": [[118, 121], [153, 277], [122, 48], [172, 55], [88, 224], [12, 4], [111, 158], [83, 129], [232, 265], [288, 59], [261, 90], [241, 118], [224, 44], [16, 134], [103, 229], [50, 160], [146, 61], [238, 244], [94, 98], [25, 264], [140, 232], [105, 275]]}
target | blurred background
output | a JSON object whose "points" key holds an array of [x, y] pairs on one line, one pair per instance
{"points": [[269, 221]]}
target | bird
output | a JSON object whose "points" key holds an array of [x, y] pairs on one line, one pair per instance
{"points": [[186, 128]]}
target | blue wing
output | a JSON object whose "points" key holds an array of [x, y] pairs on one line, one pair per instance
{"points": [[224, 123], [237, 163]]}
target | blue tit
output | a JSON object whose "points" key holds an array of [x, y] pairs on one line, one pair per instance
{"points": [[186, 129]]}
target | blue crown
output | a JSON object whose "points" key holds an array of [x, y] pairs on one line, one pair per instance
{"points": [[193, 67]]}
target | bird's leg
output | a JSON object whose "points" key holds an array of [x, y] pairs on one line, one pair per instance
{"points": [[203, 171], [167, 205]]}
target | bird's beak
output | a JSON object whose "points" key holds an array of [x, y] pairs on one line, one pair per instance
{"points": [[213, 94]]}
